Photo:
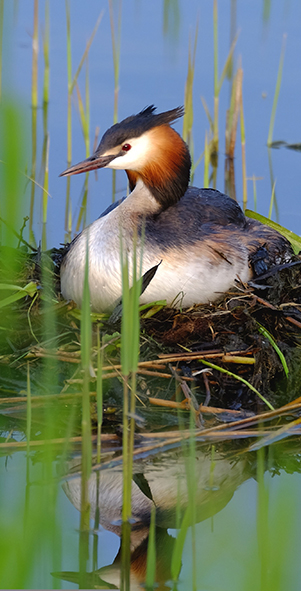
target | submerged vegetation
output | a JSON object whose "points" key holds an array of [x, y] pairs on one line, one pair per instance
{"points": [[151, 416]]}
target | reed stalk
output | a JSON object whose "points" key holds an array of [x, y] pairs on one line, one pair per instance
{"points": [[192, 483], [45, 152], [262, 522], [116, 45], [176, 561], [34, 106], [28, 413], [49, 376], [243, 154], [99, 394], [216, 81], [188, 96], [84, 115], [233, 113], [84, 112], [86, 342], [171, 18], [240, 379], [1, 42], [206, 162], [276, 95], [150, 578], [68, 226], [294, 239], [272, 201], [45, 193], [130, 337], [46, 44], [254, 192]]}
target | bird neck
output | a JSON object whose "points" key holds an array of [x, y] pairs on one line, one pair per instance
{"points": [[140, 204], [167, 171]]}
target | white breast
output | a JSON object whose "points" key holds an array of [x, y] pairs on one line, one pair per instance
{"points": [[104, 266], [181, 279], [186, 276]]}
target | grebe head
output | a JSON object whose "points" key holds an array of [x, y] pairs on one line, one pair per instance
{"points": [[146, 147]]}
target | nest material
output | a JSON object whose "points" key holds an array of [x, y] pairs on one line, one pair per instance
{"points": [[238, 323], [230, 325]]}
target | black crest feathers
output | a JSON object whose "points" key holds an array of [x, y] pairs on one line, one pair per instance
{"points": [[136, 125]]}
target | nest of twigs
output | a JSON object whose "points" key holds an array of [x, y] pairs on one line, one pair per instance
{"points": [[260, 322]]}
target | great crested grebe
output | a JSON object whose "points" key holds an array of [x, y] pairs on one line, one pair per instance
{"points": [[200, 236]]}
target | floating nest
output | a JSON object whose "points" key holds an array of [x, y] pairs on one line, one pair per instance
{"points": [[253, 333]]}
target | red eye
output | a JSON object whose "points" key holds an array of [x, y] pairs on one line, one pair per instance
{"points": [[126, 147]]}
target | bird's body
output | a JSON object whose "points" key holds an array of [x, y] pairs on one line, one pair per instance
{"points": [[200, 237]]}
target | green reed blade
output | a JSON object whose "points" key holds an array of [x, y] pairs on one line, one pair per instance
{"points": [[87, 98], [86, 342], [188, 98], [206, 162], [272, 201], [273, 184], [254, 192], [233, 113], [240, 379], [45, 192], [46, 43], [151, 553], [192, 483], [86, 339], [86, 52], [266, 11], [276, 95], [34, 105], [272, 341], [45, 152], [116, 45], [243, 155], [28, 410], [69, 80], [215, 48], [1, 42], [68, 217], [206, 109], [230, 115], [84, 114], [293, 238], [176, 561], [21, 292], [81, 110], [35, 54], [287, 430], [227, 62], [216, 82], [99, 393], [13, 150], [262, 521], [72, 83], [130, 333], [171, 18], [49, 376]]}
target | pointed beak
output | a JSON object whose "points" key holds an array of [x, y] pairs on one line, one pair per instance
{"points": [[91, 163]]}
